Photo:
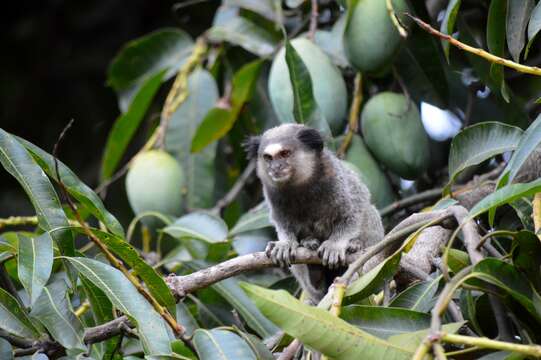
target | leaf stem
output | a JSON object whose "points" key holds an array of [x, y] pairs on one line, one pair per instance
{"points": [[486, 343], [353, 121], [394, 19]]}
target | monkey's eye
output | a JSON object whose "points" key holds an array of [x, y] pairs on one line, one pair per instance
{"points": [[284, 153], [267, 157]]}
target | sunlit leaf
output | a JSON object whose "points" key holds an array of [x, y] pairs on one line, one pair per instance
{"points": [[319, 329], [417, 297], [200, 226], [412, 340], [256, 218]]}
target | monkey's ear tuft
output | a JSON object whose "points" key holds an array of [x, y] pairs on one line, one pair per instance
{"points": [[311, 138], [251, 146]]}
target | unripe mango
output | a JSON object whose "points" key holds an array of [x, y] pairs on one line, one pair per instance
{"points": [[154, 183], [370, 39], [393, 131], [328, 85]]}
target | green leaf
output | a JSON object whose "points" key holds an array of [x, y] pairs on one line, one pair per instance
{"points": [[186, 319], [103, 311], [199, 225], [448, 24], [34, 263], [319, 329], [518, 14], [478, 143], [506, 277], [243, 32], [417, 297], [269, 9], [384, 322], [254, 219], [305, 108], [154, 282], [221, 344], [79, 190], [457, 260], [528, 143], [198, 168], [331, 42], [229, 289], [372, 281], [412, 340], [143, 58], [14, 319], [151, 327], [218, 121], [257, 346], [505, 195], [53, 310], [18, 162], [496, 41], [126, 124], [534, 26]]}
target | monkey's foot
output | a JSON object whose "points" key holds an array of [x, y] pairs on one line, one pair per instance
{"points": [[310, 243], [332, 254], [281, 253]]}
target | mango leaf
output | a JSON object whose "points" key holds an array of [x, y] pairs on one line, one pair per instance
{"points": [[151, 327], [53, 310], [257, 346], [186, 319], [221, 344], [528, 143], [534, 26], [305, 108], [417, 297], [496, 41], [448, 24], [79, 190], [34, 263], [254, 219], [478, 143], [319, 329], [199, 225], [179, 348], [18, 162], [412, 340], [126, 125], [269, 9], [505, 195], [229, 289], [384, 322], [506, 277], [13, 318], [457, 260], [198, 168], [231, 27], [103, 311], [331, 42], [518, 14], [143, 58], [218, 121], [154, 282], [372, 281]]}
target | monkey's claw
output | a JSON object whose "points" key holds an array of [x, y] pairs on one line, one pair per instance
{"points": [[281, 253], [332, 255]]}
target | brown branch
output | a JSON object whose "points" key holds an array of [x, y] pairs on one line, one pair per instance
{"points": [[421, 197], [235, 190], [476, 51], [313, 20]]}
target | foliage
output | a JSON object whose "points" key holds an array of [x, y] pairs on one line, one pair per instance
{"points": [[73, 283]]}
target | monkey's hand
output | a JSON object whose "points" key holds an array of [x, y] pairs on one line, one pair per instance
{"points": [[281, 252], [332, 254]]}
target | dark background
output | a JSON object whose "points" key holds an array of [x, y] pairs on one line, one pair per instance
{"points": [[53, 68]]}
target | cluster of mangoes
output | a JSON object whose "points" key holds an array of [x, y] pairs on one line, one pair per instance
{"points": [[392, 132]]}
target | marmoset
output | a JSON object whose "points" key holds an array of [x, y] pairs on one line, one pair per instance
{"points": [[315, 201]]}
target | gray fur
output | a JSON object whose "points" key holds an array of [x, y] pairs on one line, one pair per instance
{"points": [[322, 205]]}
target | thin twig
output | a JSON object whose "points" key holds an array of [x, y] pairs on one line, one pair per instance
{"points": [[313, 20], [401, 30], [353, 122], [533, 70], [412, 200], [290, 351], [235, 190], [486, 343]]}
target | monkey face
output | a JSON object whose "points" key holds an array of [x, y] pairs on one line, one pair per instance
{"points": [[277, 162]]}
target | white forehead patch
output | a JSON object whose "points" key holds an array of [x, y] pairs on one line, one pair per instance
{"points": [[273, 149]]}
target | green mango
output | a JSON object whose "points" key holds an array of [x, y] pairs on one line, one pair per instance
{"points": [[359, 159], [370, 39], [328, 85], [154, 183], [393, 131]]}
